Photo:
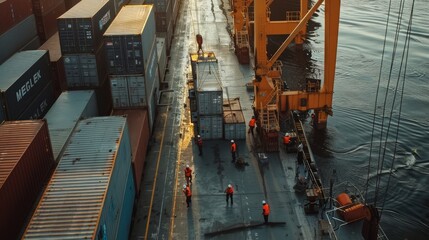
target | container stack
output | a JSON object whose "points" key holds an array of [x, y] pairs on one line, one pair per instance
{"points": [[132, 59], [25, 164], [233, 117], [46, 13], [166, 12], [92, 191], [81, 38], [26, 86], [206, 96], [17, 28]]}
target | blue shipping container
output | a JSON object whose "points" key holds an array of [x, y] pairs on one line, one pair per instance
{"points": [[90, 193], [64, 115], [40, 105], [22, 78]]}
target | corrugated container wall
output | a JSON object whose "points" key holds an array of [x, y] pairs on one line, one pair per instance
{"points": [[40, 104], [47, 12], [234, 125], [162, 57], [81, 28], [12, 12], [104, 98], [130, 40], [57, 63], [210, 127], [138, 124], [85, 69], [25, 164], [17, 37], [23, 77], [208, 89], [97, 161], [63, 116], [128, 91]]}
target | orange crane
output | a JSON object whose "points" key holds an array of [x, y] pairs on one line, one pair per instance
{"points": [[270, 99]]}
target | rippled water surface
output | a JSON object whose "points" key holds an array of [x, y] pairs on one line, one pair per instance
{"points": [[345, 145]]}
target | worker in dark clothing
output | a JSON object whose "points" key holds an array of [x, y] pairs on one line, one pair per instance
{"points": [[229, 193], [188, 194], [188, 175], [286, 141], [265, 211], [233, 150], [252, 124], [200, 144]]}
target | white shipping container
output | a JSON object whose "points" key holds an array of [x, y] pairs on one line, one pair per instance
{"points": [[211, 127], [208, 88], [128, 91]]}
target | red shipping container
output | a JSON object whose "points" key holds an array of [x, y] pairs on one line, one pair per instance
{"points": [[26, 161], [47, 22], [12, 12], [40, 7], [138, 125], [57, 65], [71, 3]]}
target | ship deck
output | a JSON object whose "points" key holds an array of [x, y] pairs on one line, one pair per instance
{"points": [[161, 211]]}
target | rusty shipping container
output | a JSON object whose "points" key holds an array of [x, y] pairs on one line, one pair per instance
{"points": [[13, 12], [91, 193], [130, 40], [22, 78], [81, 28], [138, 124], [57, 64], [46, 20], [26, 161]]}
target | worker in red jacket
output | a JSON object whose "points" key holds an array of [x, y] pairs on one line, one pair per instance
{"points": [[252, 124], [233, 150], [229, 193], [286, 141], [188, 175], [188, 194], [265, 210]]}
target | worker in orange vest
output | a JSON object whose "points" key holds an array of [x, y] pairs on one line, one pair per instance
{"points": [[286, 141], [265, 210], [200, 144], [229, 193], [188, 194], [252, 123], [233, 150], [188, 175]]}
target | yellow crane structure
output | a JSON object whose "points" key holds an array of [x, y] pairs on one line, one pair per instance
{"points": [[270, 99]]}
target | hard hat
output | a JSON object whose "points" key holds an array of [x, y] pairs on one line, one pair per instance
{"points": [[232, 141], [229, 185], [287, 134], [263, 202], [184, 185], [187, 166], [199, 136]]}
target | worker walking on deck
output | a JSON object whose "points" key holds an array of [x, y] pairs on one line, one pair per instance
{"points": [[188, 194], [233, 150], [200, 144], [286, 141], [265, 210], [229, 194], [252, 124], [188, 175]]}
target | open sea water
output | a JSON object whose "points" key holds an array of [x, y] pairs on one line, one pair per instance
{"points": [[403, 176]]}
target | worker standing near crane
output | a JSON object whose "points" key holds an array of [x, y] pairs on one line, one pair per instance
{"points": [[200, 144], [188, 194], [229, 194], [252, 124], [286, 141], [233, 150]]}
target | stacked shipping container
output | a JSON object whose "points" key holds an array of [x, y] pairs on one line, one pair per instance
{"points": [[234, 122], [25, 86], [132, 59], [25, 164], [62, 118], [207, 95], [91, 192], [46, 13]]}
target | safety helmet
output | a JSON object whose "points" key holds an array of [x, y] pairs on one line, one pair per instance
{"points": [[229, 185], [232, 141], [198, 136], [287, 134], [184, 185], [263, 202], [187, 166]]}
